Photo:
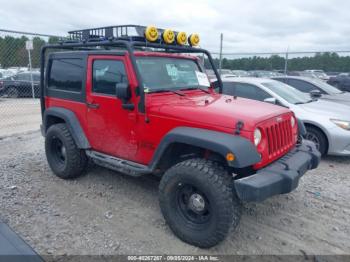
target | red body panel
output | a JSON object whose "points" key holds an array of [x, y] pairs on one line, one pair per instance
{"points": [[122, 133]]}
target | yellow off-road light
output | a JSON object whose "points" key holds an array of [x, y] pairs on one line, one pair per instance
{"points": [[181, 38], [194, 39], [151, 33], [168, 36]]}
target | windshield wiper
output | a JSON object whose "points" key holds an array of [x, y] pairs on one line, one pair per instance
{"points": [[193, 88], [165, 90]]}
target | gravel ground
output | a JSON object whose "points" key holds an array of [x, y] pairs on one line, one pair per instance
{"points": [[19, 115], [104, 212]]}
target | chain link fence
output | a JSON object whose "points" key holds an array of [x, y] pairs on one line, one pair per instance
{"points": [[20, 75], [19, 80], [309, 64]]}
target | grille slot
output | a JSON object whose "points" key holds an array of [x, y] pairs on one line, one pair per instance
{"points": [[279, 136]]}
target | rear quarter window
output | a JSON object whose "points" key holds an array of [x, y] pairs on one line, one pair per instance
{"points": [[66, 74]]}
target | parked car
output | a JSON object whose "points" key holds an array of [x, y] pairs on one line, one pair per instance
{"points": [[20, 85], [320, 74], [341, 81], [316, 88], [263, 73], [327, 123], [240, 73]]}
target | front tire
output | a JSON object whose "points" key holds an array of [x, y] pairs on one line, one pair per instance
{"points": [[198, 202], [65, 158], [315, 135]]}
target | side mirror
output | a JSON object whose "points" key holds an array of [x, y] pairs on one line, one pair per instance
{"points": [[122, 91], [315, 94], [271, 100]]}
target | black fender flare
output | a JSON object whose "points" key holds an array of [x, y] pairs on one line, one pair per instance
{"points": [[72, 123], [222, 143]]}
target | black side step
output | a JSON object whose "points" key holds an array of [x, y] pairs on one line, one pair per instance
{"points": [[117, 164]]}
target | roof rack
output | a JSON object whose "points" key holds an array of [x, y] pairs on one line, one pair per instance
{"points": [[120, 32]]}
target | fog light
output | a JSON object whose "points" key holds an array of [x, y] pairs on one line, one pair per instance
{"points": [[151, 33], [181, 38]]}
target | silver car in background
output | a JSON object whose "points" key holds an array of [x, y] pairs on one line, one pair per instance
{"points": [[327, 123], [316, 88]]}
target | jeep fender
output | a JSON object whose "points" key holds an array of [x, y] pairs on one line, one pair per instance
{"points": [[72, 123], [221, 143]]}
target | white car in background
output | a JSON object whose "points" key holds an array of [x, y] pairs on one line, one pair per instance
{"points": [[327, 123]]}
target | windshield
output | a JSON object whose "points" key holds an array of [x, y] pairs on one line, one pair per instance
{"points": [[326, 87], [164, 73], [288, 93]]}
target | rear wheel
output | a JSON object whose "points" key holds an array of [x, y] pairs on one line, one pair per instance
{"points": [[198, 202], [12, 92], [65, 158], [315, 135]]}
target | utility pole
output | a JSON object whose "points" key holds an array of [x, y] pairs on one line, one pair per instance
{"points": [[29, 46], [220, 58], [286, 62]]}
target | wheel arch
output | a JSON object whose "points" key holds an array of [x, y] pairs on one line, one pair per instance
{"points": [[54, 115], [218, 144], [321, 129]]}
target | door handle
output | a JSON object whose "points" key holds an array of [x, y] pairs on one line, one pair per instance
{"points": [[92, 105]]}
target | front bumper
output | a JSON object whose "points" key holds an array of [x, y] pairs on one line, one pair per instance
{"points": [[280, 177]]}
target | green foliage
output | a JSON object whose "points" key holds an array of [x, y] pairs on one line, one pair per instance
{"points": [[13, 51], [329, 62]]}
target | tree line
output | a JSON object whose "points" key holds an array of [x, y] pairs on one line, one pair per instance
{"points": [[328, 61], [13, 51]]}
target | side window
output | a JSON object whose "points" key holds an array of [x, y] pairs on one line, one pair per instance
{"points": [[66, 74], [250, 91], [106, 74], [228, 88], [302, 86], [36, 77], [22, 77]]}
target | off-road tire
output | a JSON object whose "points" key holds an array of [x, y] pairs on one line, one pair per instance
{"points": [[320, 137], [217, 186], [75, 161]]}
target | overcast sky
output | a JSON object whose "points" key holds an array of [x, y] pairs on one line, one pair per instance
{"points": [[248, 26]]}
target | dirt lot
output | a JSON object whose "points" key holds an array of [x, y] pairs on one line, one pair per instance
{"points": [[19, 115], [105, 212]]}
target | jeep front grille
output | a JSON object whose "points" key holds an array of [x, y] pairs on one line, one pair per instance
{"points": [[279, 137]]}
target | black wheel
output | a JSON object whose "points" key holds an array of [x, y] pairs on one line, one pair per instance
{"points": [[12, 92], [198, 202], [65, 159], [315, 135]]}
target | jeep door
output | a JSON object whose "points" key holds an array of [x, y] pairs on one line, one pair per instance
{"points": [[110, 127]]}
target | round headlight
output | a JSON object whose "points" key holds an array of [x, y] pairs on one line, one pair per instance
{"points": [[257, 136], [292, 121]]}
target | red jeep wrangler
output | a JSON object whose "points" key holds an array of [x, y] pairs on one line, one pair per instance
{"points": [[134, 100]]}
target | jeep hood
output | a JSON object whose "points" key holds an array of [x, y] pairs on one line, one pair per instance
{"points": [[212, 109]]}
